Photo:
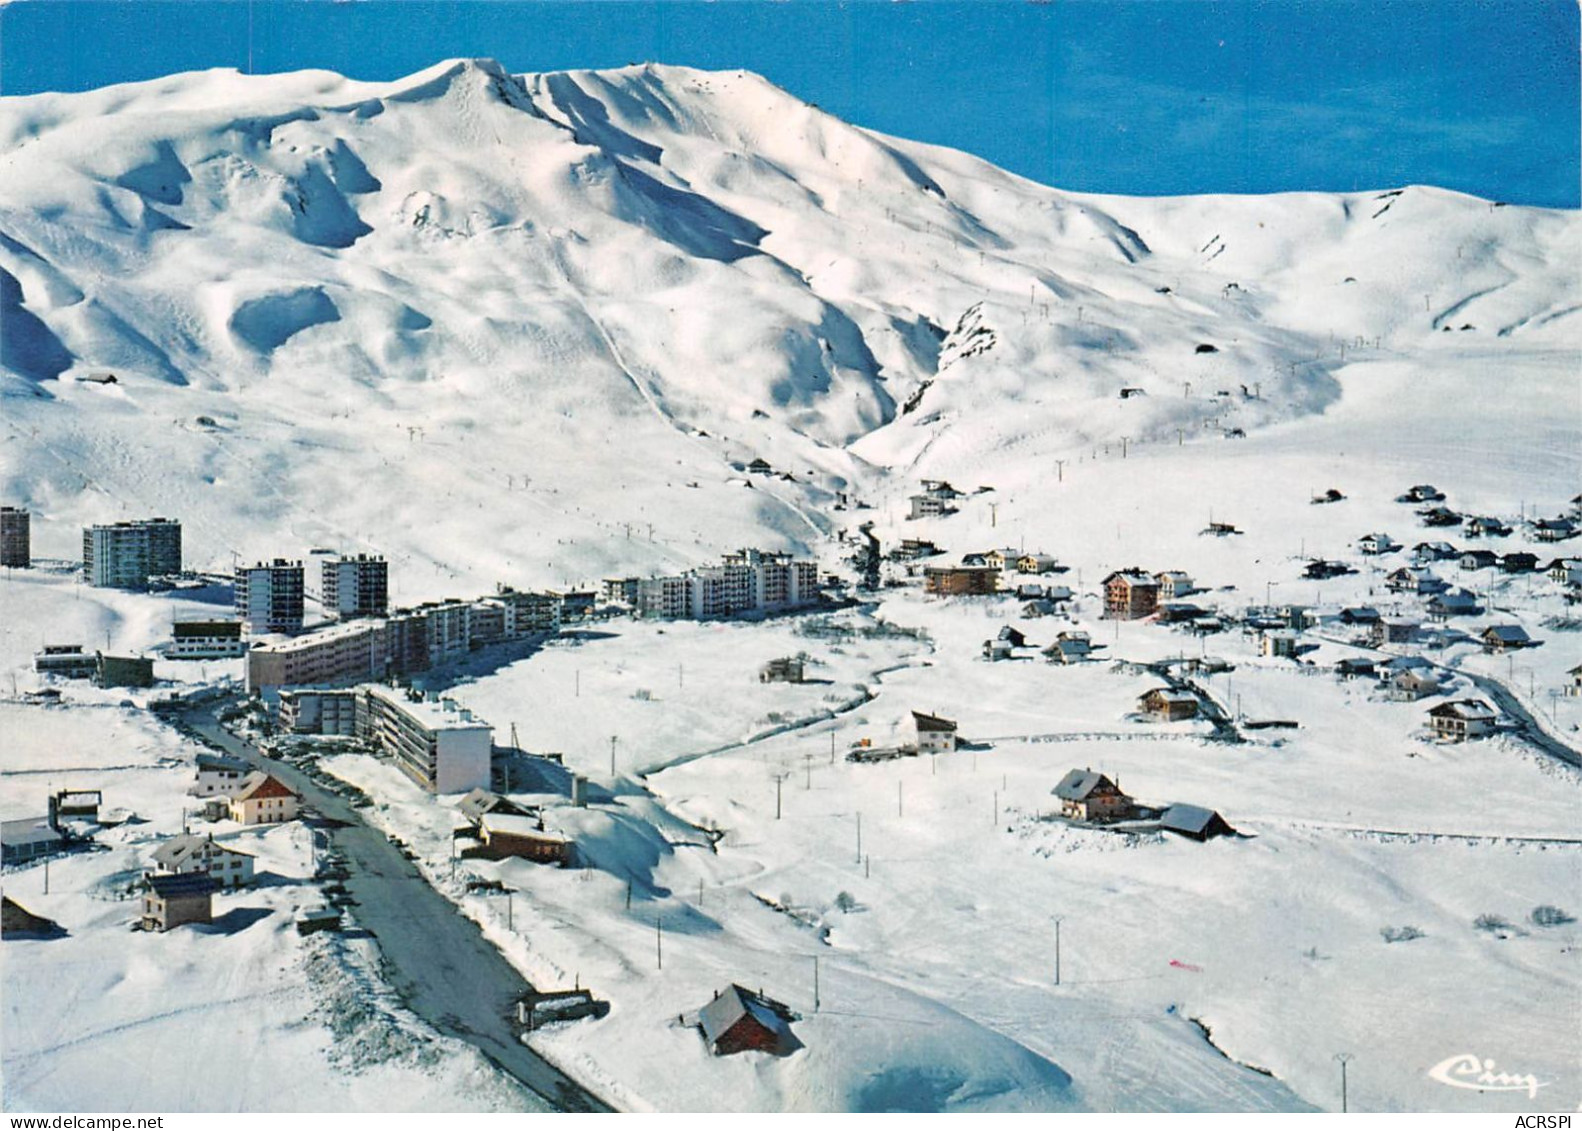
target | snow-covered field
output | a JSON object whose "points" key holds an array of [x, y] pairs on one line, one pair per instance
{"points": [[529, 329]]}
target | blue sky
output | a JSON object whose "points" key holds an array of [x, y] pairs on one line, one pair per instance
{"points": [[1127, 96]]}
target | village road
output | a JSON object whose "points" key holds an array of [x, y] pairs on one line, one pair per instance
{"points": [[436, 959]]}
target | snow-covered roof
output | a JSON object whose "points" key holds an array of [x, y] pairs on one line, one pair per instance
{"points": [[1469, 710], [1079, 785], [176, 851], [517, 824], [184, 883], [1506, 633], [222, 762], [1189, 819], [258, 785], [28, 830], [719, 1016]]}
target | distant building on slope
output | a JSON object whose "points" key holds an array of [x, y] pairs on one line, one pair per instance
{"points": [[1166, 705], [16, 538], [746, 581], [739, 1020], [1462, 719], [1194, 822], [932, 734], [126, 555], [1086, 795], [1130, 594], [961, 580], [357, 586]]}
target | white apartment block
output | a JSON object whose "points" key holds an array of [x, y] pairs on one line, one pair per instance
{"points": [[125, 555], [747, 581], [665, 598], [319, 711], [269, 596], [355, 586], [438, 745]]}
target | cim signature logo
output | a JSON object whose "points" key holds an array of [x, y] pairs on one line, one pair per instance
{"points": [[1468, 1071]]}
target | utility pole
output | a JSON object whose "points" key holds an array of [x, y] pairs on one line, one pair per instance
{"points": [[628, 893], [778, 779], [1057, 950], [898, 786], [807, 764], [613, 740], [859, 837], [815, 984], [995, 822], [659, 941], [1060, 471], [1343, 1058], [994, 520]]}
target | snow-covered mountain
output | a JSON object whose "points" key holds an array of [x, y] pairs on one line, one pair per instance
{"points": [[547, 318]]}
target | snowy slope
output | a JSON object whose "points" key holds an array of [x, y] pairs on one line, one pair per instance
{"points": [[471, 288]]}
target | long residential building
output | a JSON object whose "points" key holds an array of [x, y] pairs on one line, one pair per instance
{"points": [[16, 538], [348, 653], [207, 639], [746, 581], [125, 555], [436, 743], [269, 596], [404, 643]]}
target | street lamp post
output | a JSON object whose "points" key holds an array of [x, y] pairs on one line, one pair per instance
{"points": [[1343, 1058]]}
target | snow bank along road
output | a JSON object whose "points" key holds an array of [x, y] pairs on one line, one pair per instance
{"points": [[444, 969]]}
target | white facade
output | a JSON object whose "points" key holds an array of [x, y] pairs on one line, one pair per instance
{"points": [[192, 853], [263, 800], [355, 586], [218, 776], [438, 745], [124, 555], [269, 596], [308, 711]]}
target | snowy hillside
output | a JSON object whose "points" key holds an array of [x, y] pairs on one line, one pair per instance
{"points": [[472, 288]]}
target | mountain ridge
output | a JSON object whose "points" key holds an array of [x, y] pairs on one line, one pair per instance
{"points": [[696, 261]]}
